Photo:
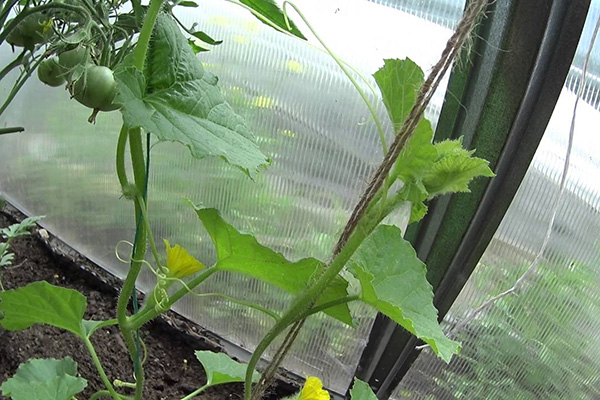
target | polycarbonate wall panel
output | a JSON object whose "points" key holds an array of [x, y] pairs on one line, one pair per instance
{"points": [[308, 118], [545, 342]]}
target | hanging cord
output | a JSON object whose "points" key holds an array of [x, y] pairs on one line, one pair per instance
{"points": [[475, 10], [557, 202]]}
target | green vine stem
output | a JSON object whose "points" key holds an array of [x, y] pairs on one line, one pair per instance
{"points": [[6, 11], [141, 48], [139, 172], [13, 64], [196, 392], [303, 303], [120, 159], [146, 222], [99, 394], [329, 304], [303, 306], [98, 364], [249, 304], [19, 84]]}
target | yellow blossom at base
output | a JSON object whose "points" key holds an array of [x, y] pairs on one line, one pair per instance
{"points": [[313, 390], [181, 263]]}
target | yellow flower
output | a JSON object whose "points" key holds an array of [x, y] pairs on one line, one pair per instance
{"points": [[181, 263], [313, 390]]}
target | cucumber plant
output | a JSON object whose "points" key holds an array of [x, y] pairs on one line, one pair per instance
{"points": [[141, 63]]}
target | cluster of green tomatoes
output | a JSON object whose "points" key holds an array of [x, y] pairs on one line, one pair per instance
{"points": [[90, 84]]}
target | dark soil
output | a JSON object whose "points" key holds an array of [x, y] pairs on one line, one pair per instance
{"points": [[171, 369]]}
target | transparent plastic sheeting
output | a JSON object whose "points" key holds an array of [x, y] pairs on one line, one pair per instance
{"points": [[308, 118], [545, 342], [445, 13]]}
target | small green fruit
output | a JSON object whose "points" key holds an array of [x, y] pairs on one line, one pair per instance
{"points": [[96, 88], [34, 29], [50, 72], [72, 60]]}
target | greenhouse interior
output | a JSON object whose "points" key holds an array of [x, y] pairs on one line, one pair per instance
{"points": [[307, 199]]}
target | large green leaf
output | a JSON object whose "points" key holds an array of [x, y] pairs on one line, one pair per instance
{"points": [[220, 368], [44, 379], [178, 100], [393, 280], [361, 391], [241, 253], [270, 10], [399, 82], [42, 303], [427, 170]]}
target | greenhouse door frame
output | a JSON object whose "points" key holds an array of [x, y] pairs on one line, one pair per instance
{"points": [[500, 101]]}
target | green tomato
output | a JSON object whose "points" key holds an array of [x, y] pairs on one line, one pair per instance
{"points": [[34, 29], [71, 59], [50, 72], [96, 88]]}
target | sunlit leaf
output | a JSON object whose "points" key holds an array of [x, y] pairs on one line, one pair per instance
{"points": [[206, 39], [431, 169], [178, 100], [220, 368], [399, 82], [42, 303], [393, 280], [44, 379], [241, 253], [270, 10], [195, 48]]}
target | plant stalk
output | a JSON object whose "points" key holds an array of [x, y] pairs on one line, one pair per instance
{"points": [[139, 172], [120, 159], [12, 65], [141, 48], [196, 392], [98, 364], [304, 302], [19, 84]]}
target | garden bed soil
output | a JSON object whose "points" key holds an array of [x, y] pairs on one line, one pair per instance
{"points": [[172, 370]]}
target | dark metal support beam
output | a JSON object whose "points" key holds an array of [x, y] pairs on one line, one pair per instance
{"points": [[501, 104]]}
